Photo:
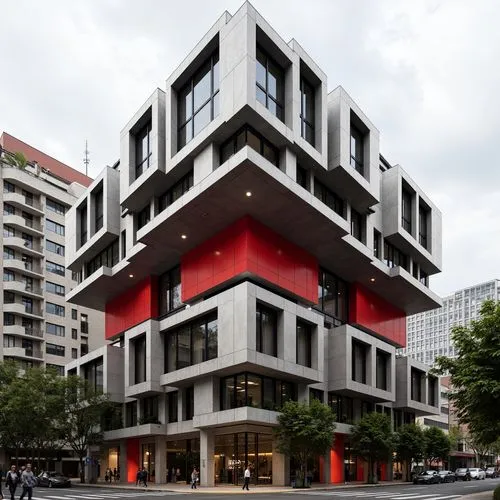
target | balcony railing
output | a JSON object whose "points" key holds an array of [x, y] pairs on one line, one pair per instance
{"points": [[33, 332]]}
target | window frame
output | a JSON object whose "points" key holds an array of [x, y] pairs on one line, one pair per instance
{"points": [[55, 349], [262, 311], [57, 309], [356, 142], [307, 334], [58, 269], [55, 206], [52, 246], [145, 162], [406, 206], [55, 227], [331, 199], [279, 99], [99, 208], [306, 121]]}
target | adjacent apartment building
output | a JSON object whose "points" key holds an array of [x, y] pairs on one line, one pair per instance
{"points": [[254, 247], [39, 327], [429, 331]]}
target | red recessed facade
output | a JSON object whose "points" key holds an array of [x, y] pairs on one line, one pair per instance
{"points": [[132, 307], [248, 247], [368, 310], [133, 459]]}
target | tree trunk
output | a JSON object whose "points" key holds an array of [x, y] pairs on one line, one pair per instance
{"points": [[82, 471]]}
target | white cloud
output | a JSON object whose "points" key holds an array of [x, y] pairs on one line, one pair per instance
{"points": [[426, 73]]}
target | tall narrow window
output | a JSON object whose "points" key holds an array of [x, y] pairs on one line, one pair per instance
{"points": [[302, 177], [304, 344], [99, 210], [406, 210], [382, 360], [170, 290], [423, 217], [144, 216], [356, 225], [140, 360], [83, 224], [329, 198], [307, 111], [270, 84], [267, 331], [143, 152], [198, 101], [357, 155], [377, 244], [172, 403], [359, 361]]}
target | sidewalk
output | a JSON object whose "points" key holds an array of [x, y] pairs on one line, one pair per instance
{"points": [[231, 489]]}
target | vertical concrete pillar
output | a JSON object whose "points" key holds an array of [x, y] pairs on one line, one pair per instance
{"points": [[326, 472], [122, 461], [160, 460], [207, 462], [281, 467]]}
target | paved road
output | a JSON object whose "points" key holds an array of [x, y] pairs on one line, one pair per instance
{"points": [[83, 493]]}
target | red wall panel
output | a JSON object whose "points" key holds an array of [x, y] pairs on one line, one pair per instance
{"points": [[337, 460], [133, 459], [132, 307], [370, 311], [247, 246]]}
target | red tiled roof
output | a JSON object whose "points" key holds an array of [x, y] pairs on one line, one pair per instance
{"points": [[61, 170]]}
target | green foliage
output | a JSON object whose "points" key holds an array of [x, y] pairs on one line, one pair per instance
{"points": [[496, 493], [475, 373], [17, 160], [455, 435], [373, 440], [305, 431], [409, 445], [437, 444]]}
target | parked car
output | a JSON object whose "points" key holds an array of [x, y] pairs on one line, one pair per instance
{"points": [[477, 473], [447, 476], [427, 477], [462, 474], [491, 472], [53, 480]]}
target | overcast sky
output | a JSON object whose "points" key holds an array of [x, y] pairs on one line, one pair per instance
{"points": [[427, 74]]}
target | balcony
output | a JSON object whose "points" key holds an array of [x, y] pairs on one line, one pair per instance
{"points": [[23, 288], [29, 205], [27, 247], [144, 430], [23, 352], [26, 268], [27, 311], [26, 225], [23, 331]]}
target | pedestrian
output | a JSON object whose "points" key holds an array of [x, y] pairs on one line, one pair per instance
{"points": [[115, 472], [144, 477], [117, 475], [106, 475], [28, 481], [174, 479], [194, 478], [11, 481], [247, 478], [138, 477]]}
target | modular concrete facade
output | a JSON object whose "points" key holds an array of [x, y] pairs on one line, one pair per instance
{"points": [[259, 256]]}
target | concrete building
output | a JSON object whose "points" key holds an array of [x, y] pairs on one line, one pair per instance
{"points": [[429, 331], [38, 327], [254, 247]]}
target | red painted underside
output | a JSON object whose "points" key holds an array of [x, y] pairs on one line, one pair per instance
{"points": [[337, 468], [249, 247], [368, 310], [133, 459], [132, 307]]}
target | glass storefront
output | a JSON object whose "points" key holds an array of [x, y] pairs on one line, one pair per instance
{"points": [[182, 456], [113, 458], [233, 452], [148, 459]]}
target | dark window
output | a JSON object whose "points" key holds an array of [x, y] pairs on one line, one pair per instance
{"points": [[382, 370], [303, 343], [74, 333], [416, 385], [131, 414], [307, 110], [357, 223], [143, 150], [55, 207], [144, 216], [424, 278], [329, 198], [53, 247], [8, 209], [170, 291], [8, 231], [191, 343], [172, 405], [198, 101], [28, 198], [423, 217], [316, 394], [189, 394], [359, 360], [9, 319], [99, 209], [149, 410], [8, 275], [54, 227], [8, 253], [55, 309], [124, 243], [394, 257], [28, 240], [366, 407], [270, 84], [139, 359], [82, 216], [406, 210], [93, 373], [9, 341], [302, 177], [377, 244], [247, 136], [267, 330], [342, 406], [57, 368], [332, 297], [8, 187], [247, 389], [84, 324], [433, 391], [56, 350], [357, 155], [55, 288], [74, 314], [177, 190], [107, 257], [54, 329]]}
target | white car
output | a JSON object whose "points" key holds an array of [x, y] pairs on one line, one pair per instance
{"points": [[476, 473]]}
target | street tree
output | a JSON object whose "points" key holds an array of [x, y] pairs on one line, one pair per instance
{"points": [[475, 373], [409, 445], [373, 440], [437, 445], [304, 432]]}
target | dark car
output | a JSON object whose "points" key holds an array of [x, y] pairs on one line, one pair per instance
{"points": [[427, 477], [463, 474], [53, 480], [447, 476], [491, 472]]}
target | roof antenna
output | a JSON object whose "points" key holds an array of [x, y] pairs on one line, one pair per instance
{"points": [[86, 160]]}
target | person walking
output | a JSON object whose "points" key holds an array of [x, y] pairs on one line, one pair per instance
{"points": [[28, 482], [11, 481], [138, 477], [144, 476], [194, 478], [247, 478]]}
